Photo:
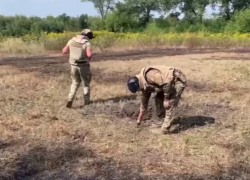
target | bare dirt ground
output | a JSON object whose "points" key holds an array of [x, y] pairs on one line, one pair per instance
{"points": [[41, 139]]}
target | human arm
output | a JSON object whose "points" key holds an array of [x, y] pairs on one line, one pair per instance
{"points": [[88, 50], [145, 96], [177, 89], [180, 82], [167, 90], [66, 50]]}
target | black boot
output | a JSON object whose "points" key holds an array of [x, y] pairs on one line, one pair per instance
{"points": [[69, 104], [86, 100]]}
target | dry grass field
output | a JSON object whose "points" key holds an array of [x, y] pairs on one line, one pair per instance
{"points": [[41, 139]]}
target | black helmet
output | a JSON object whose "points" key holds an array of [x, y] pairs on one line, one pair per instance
{"points": [[133, 84]]}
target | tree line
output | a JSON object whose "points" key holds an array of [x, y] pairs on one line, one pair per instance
{"points": [[137, 16]]}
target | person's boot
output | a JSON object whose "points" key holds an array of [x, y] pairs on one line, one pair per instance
{"points": [[165, 130], [160, 128], [160, 131], [85, 102], [166, 125], [69, 104], [157, 124]]}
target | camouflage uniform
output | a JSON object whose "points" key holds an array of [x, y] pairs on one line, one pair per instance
{"points": [[80, 67], [165, 81]]}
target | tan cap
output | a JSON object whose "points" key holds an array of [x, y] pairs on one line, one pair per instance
{"points": [[86, 31]]}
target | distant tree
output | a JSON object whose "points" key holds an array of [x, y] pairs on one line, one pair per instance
{"points": [[83, 21], [102, 6], [54, 24], [64, 18], [229, 7], [193, 10], [96, 23], [124, 18], [240, 22], [144, 8]]}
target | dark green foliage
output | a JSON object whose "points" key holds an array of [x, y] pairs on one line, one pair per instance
{"points": [[20, 25], [240, 22], [137, 16]]}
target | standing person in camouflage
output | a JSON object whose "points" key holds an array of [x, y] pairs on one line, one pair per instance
{"points": [[80, 52], [167, 82]]}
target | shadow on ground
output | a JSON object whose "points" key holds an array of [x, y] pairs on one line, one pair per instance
{"points": [[75, 162], [188, 122], [4, 145], [40, 162], [116, 99]]}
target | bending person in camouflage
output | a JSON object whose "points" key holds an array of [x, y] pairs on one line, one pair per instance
{"points": [[79, 49], [167, 82]]}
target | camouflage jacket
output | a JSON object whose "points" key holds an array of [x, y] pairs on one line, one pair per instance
{"points": [[166, 79]]}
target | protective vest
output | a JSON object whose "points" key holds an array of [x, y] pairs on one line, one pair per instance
{"points": [[167, 76], [78, 54]]}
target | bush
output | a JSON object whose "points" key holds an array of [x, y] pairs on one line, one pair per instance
{"points": [[106, 41], [152, 28], [154, 38], [240, 22]]}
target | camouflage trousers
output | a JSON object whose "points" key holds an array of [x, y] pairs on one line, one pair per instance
{"points": [[174, 101], [80, 74]]}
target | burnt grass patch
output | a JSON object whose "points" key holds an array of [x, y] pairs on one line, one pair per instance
{"points": [[53, 66], [187, 115]]}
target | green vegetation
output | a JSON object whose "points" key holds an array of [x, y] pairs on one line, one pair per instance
{"points": [[136, 16], [130, 25]]}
